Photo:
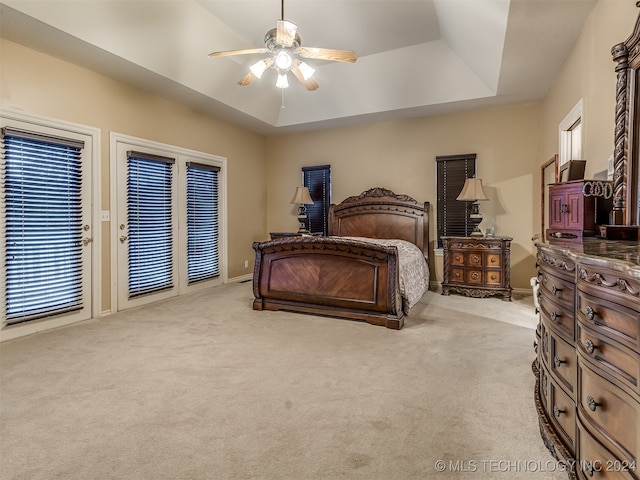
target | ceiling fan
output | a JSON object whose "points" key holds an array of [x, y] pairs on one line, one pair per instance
{"points": [[284, 48]]}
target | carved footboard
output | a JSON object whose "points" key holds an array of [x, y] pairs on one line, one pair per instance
{"points": [[329, 276]]}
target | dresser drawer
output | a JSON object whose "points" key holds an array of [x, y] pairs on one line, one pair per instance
{"points": [[594, 461], [562, 412], [612, 319], [610, 414], [612, 357], [544, 389], [562, 363], [562, 291], [556, 264], [557, 318]]}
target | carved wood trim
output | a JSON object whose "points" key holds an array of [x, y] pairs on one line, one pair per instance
{"points": [[556, 262], [611, 282], [379, 192], [625, 55]]}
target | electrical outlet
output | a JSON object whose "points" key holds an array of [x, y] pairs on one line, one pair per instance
{"points": [[246, 264]]}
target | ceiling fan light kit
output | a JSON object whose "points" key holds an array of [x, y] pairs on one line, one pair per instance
{"points": [[284, 47]]}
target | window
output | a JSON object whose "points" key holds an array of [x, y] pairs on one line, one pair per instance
{"points": [[453, 215], [43, 225], [570, 135], [318, 180]]}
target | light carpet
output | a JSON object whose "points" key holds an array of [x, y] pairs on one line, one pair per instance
{"points": [[203, 387]]}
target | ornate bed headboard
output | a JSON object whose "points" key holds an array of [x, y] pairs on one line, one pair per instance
{"points": [[380, 213]]}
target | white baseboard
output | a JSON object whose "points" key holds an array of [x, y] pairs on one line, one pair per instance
{"points": [[241, 278]]}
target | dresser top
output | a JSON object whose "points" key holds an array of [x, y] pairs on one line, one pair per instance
{"points": [[624, 254]]}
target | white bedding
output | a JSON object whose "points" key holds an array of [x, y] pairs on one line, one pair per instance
{"points": [[413, 270]]}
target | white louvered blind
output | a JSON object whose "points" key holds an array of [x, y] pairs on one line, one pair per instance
{"points": [[42, 210], [202, 222], [149, 216]]}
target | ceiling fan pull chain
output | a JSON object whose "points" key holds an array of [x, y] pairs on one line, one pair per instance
{"points": [[282, 99]]}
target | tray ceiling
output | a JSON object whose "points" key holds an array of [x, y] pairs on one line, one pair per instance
{"points": [[416, 57]]}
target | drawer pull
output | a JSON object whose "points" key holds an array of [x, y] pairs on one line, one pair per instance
{"points": [[592, 403], [589, 345], [555, 316], [588, 468], [475, 259], [493, 260], [557, 362], [555, 290], [557, 411], [589, 312]]}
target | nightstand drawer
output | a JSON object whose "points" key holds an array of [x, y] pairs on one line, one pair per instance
{"points": [[457, 275], [493, 260], [474, 259], [457, 258], [474, 277], [494, 277]]}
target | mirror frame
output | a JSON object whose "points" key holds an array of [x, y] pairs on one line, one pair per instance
{"points": [[626, 163]]}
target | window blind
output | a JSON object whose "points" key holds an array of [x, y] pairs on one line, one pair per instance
{"points": [[453, 215], [318, 180], [42, 213], [202, 222], [149, 212]]}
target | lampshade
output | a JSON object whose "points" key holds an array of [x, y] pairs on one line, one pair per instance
{"points": [[472, 190], [258, 68], [282, 81], [302, 196], [306, 70]]}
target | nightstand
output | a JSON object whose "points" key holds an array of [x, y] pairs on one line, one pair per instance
{"points": [[477, 266]]}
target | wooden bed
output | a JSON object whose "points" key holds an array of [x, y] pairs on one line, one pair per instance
{"points": [[345, 277]]}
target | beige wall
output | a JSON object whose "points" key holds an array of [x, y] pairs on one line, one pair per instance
{"points": [[588, 74], [400, 155], [46, 86]]}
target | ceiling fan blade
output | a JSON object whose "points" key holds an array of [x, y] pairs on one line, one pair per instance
{"points": [[245, 51], [285, 33], [310, 83], [247, 79], [327, 54]]}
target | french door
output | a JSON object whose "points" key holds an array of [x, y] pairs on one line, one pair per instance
{"points": [[168, 222], [48, 235]]}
